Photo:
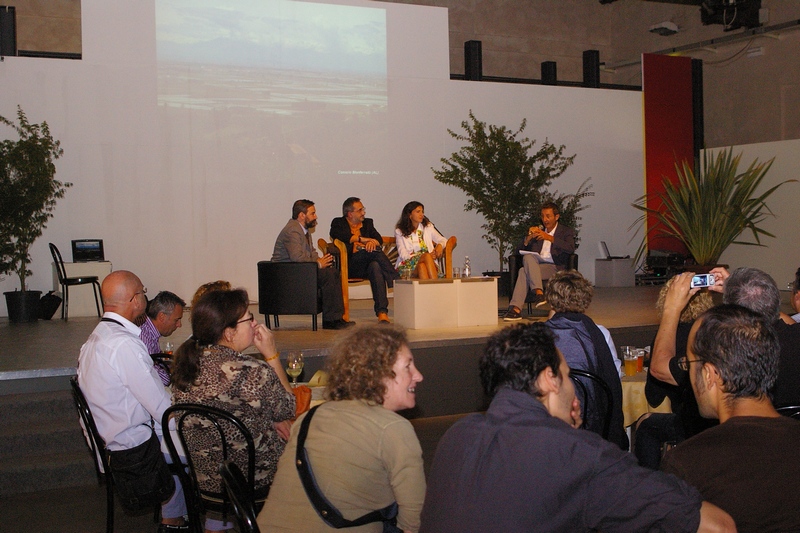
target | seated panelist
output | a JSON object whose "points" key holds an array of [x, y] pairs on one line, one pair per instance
{"points": [[419, 244]]}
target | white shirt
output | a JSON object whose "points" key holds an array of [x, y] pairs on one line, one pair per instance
{"points": [[546, 244], [796, 317], [610, 342], [123, 390]]}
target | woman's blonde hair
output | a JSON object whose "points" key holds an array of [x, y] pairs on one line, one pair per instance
{"points": [[219, 285], [698, 304], [361, 360]]}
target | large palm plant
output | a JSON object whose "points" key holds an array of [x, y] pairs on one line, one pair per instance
{"points": [[708, 211]]}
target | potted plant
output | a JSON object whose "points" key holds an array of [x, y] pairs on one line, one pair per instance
{"points": [[28, 194], [708, 210], [507, 181]]}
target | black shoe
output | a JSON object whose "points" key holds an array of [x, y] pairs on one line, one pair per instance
{"points": [[512, 315], [539, 300], [168, 528], [337, 324]]}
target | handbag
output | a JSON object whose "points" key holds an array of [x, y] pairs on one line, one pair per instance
{"points": [[141, 475], [325, 509]]}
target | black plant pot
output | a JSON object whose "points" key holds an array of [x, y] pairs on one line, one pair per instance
{"points": [[23, 306]]}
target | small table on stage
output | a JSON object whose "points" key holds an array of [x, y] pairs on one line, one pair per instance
{"points": [[634, 403], [445, 303]]}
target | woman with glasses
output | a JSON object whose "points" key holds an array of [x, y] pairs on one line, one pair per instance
{"points": [[210, 369]]}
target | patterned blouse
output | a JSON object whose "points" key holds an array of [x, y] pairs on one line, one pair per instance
{"points": [[251, 391]]}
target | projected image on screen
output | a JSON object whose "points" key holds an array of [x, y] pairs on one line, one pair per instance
{"points": [[277, 89]]}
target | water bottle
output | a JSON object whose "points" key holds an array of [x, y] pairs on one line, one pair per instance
{"points": [[467, 270]]}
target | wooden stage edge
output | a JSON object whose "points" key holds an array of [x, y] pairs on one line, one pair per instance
{"points": [[42, 356]]}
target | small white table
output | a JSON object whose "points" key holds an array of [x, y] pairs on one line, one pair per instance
{"points": [[81, 297], [445, 303], [614, 273]]}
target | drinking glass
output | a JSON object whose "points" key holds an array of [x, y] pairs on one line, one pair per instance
{"points": [[294, 366], [168, 347], [630, 359]]}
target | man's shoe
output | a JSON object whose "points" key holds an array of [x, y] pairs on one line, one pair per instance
{"points": [[539, 300], [168, 528], [383, 317], [513, 315], [337, 324]]}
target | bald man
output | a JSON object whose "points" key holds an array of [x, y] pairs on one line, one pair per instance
{"points": [[124, 392]]}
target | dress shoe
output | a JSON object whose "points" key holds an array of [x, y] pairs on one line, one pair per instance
{"points": [[539, 299], [337, 324], [169, 528], [513, 314], [383, 317]]}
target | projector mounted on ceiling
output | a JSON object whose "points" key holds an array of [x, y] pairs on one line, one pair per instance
{"points": [[664, 28]]}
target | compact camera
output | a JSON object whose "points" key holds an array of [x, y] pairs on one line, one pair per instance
{"points": [[703, 280]]}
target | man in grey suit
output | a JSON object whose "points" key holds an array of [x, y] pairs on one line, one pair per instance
{"points": [[294, 244]]}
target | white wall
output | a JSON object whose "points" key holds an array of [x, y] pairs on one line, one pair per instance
{"points": [[148, 195]]}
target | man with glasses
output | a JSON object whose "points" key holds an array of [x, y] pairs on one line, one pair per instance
{"points": [[748, 465], [124, 392], [365, 257]]}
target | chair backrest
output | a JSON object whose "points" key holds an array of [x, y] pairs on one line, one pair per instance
{"points": [[288, 288], [93, 438], [578, 376], [201, 433], [62, 272], [240, 495], [792, 411]]}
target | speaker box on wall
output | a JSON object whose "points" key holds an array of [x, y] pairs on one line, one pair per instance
{"points": [[549, 73], [8, 31], [591, 68], [473, 62]]}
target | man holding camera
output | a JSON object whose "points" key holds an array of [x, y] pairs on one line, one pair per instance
{"points": [[553, 244]]}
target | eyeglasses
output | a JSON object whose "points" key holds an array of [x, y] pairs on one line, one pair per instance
{"points": [[135, 294], [250, 319], [685, 362]]}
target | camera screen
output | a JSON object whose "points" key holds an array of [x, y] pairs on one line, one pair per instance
{"points": [[702, 280]]}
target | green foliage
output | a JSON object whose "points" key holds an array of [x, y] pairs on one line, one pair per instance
{"points": [[28, 191], [507, 181], [708, 211]]}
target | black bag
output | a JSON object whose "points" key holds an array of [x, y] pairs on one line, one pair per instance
{"points": [[48, 305], [141, 475]]}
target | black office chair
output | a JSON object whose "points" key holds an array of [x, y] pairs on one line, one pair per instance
{"points": [[515, 264], [98, 449], [189, 417], [241, 497], [288, 289], [66, 283], [792, 411], [589, 400]]}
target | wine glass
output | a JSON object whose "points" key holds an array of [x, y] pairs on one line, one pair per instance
{"points": [[168, 347], [294, 366]]}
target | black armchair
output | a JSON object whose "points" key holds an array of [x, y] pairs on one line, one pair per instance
{"points": [[288, 289], [515, 263]]}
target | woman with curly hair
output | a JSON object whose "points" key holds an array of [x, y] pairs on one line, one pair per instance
{"points": [[419, 245], [362, 454], [210, 369]]}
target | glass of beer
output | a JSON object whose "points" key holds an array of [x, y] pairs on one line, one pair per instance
{"points": [[630, 359]]}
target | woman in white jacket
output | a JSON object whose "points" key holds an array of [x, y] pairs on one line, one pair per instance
{"points": [[419, 245]]}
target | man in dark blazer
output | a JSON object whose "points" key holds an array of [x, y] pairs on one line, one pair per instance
{"points": [[294, 244], [553, 244], [365, 257]]}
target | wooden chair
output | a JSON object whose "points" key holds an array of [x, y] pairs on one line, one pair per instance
{"points": [[288, 289], [241, 497], [66, 283], [339, 250], [792, 411], [587, 396]]}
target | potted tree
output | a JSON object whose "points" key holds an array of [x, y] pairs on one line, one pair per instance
{"points": [[507, 181], [28, 194], [709, 209]]}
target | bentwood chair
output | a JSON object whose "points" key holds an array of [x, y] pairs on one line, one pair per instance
{"points": [[792, 411], [67, 282], [98, 449], [288, 289], [241, 497], [591, 401], [193, 423]]}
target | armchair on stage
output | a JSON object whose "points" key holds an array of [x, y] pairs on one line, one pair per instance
{"points": [[288, 289], [515, 264], [339, 250]]}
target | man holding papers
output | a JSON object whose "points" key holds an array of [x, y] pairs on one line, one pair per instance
{"points": [[544, 252]]}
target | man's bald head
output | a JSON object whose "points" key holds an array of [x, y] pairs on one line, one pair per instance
{"points": [[123, 293]]}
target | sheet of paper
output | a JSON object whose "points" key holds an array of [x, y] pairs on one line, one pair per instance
{"points": [[538, 256]]}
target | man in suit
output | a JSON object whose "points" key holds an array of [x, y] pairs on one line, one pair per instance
{"points": [[553, 244], [294, 244], [365, 257]]}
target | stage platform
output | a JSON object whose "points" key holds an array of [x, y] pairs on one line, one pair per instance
{"points": [[43, 355]]}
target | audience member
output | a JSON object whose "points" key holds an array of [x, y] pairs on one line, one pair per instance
{"points": [[585, 348], [363, 456], [210, 369], [523, 467], [123, 390], [756, 290], [748, 465], [419, 244], [219, 285], [552, 243], [294, 244], [365, 257], [162, 318], [794, 300], [678, 309]]}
